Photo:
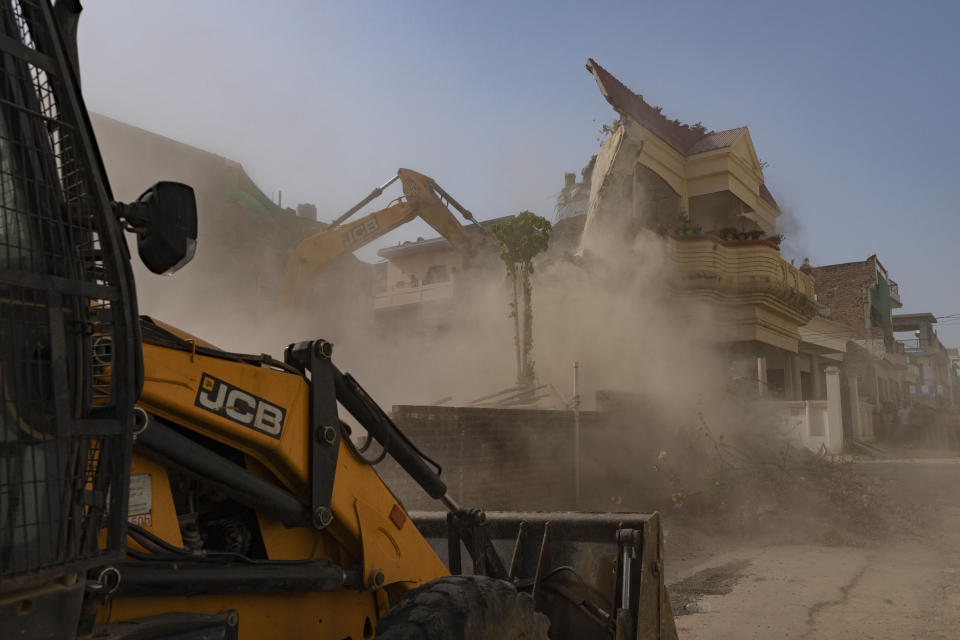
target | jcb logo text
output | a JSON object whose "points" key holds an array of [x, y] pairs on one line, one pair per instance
{"points": [[360, 232], [232, 403]]}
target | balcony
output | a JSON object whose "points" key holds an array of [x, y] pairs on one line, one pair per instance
{"points": [[920, 346], [409, 294], [912, 345], [758, 295], [895, 295]]}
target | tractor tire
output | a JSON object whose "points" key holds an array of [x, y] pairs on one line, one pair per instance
{"points": [[463, 608]]}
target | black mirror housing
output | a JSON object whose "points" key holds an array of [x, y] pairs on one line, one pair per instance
{"points": [[164, 218]]}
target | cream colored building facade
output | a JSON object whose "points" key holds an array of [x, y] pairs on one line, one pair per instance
{"points": [[416, 272], [704, 192], [428, 271], [693, 184]]}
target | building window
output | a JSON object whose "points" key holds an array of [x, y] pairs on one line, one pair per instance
{"points": [[436, 273], [380, 277]]}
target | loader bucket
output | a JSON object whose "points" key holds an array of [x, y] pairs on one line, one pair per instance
{"points": [[595, 575]]}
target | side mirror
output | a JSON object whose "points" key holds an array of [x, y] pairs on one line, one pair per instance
{"points": [[165, 221]]}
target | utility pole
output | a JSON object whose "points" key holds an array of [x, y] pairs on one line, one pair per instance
{"points": [[575, 406]]}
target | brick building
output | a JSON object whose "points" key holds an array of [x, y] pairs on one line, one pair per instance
{"points": [[856, 301], [860, 295]]}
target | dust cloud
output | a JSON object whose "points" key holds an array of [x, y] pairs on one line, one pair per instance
{"points": [[615, 311], [693, 443], [613, 307], [795, 246]]}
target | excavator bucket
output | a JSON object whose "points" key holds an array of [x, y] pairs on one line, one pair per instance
{"points": [[594, 575]]}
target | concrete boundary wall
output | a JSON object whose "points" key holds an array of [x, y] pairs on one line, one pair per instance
{"points": [[524, 458]]}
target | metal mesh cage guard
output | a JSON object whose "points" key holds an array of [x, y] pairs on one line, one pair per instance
{"points": [[67, 347]]}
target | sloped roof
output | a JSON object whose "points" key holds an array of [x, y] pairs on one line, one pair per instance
{"points": [[768, 197], [628, 103], [682, 137], [716, 140]]}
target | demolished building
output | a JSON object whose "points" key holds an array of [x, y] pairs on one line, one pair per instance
{"points": [[704, 193]]}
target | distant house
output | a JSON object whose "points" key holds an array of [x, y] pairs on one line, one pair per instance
{"points": [[936, 380], [426, 272], [861, 296]]}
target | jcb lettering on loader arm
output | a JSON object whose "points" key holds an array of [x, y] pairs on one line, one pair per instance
{"points": [[242, 407]]}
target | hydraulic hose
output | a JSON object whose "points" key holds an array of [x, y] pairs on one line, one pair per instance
{"points": [[372, 418], [231, 478]]}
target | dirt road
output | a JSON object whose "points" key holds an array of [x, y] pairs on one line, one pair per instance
{"points": [[905, 587]]}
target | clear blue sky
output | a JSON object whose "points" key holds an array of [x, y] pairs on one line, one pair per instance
{"points": [[853, 104]]}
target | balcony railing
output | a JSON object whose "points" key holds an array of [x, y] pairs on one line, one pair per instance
{"points": [[760, 296], [911, 345], [743, 268], [894, 292], [928, 346], [412, 294]]}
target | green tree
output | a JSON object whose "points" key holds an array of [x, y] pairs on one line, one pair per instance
{"points": [[521, 239]]}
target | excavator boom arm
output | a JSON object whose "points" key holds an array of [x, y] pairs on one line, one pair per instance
{"points": [[322, 248], [422, 197]]}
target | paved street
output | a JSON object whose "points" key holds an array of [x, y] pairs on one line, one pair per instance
{"points": [[905, 588]]}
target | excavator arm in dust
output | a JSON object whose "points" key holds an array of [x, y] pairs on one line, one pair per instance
{"points": [[422, 198]]}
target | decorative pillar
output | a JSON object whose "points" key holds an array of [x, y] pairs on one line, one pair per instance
{"points": [[950, 382], [762, 375], [857, 427], [787, 376], [816, 387], [795, 377], [834, 426]]}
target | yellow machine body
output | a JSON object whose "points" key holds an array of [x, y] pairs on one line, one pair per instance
{"points": [[369, 528]]}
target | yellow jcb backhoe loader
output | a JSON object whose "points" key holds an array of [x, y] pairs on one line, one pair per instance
{"points": [[249, 500], [154, 486]]}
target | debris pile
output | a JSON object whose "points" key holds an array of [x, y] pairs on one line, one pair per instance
{"points": [[748, 484]]}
